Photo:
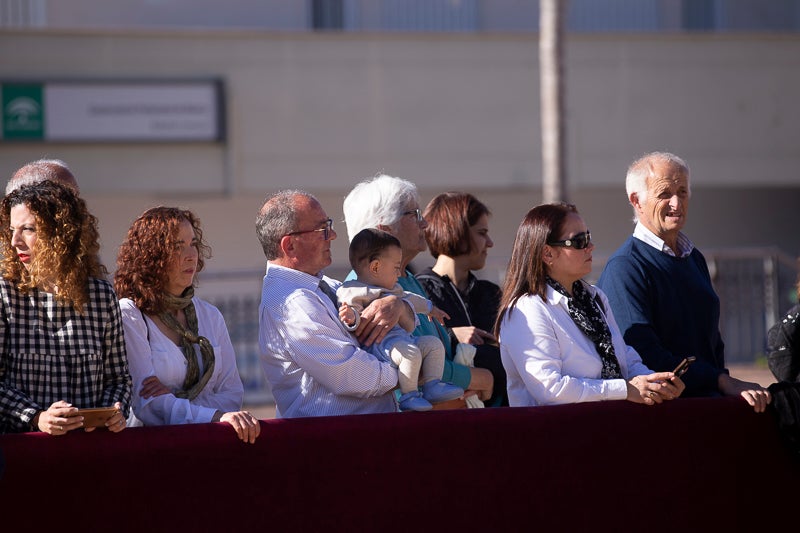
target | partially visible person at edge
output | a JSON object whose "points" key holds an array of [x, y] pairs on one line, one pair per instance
{"points": [[783, 344], [660, 288], [41, 170], [60, 321], [558, 338], [458, 238], [392, 205], [180, 353], [314, 365]]}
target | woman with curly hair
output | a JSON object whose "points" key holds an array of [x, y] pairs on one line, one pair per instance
{"points": [[60, 324], [181, 357]]}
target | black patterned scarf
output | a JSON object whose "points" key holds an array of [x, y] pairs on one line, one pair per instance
{"points": [[586, 315], [193, 383]]}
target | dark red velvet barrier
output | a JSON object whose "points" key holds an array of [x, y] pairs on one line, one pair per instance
{"points": [[696, 464]]}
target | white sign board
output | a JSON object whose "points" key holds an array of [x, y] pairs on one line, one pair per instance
{"points": [[178, 111]]}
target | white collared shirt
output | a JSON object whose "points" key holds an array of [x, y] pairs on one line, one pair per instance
{"points": [[685, 246], [313, 364]]}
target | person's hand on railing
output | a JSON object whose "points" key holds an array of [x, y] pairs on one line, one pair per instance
{"points": [[754, 394]]}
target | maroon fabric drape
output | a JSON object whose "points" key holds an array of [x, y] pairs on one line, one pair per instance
{"points": [[703, 464]]}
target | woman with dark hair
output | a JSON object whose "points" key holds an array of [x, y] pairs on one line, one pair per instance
{"points": [[60, 324], [559, 341], [458, 238], [180, 353]]}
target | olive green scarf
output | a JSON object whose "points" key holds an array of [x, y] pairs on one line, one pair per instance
{"points": [[193, 383]]}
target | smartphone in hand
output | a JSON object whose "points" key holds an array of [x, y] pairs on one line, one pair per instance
{"points": [[683, 366], [96, 417]]}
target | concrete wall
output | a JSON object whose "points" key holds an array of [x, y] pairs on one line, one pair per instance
{"points": [[323, 111]]}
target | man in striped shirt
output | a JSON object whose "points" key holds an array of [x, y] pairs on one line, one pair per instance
{"points": [[314, 365]]}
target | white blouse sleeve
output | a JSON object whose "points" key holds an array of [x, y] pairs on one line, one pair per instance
{"points": [[228, 390], [537, 345], [165, 409]]}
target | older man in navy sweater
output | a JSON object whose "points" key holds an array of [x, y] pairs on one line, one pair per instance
{"points": [[660, 289]]}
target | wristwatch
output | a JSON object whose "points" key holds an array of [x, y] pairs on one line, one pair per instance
{"points": [[33, 425]]}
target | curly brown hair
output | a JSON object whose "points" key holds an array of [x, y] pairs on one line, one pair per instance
{"points": [[147, 252], [67, 244]]}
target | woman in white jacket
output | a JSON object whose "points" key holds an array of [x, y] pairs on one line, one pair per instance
{"points": [[180, 354], [559, 342]]}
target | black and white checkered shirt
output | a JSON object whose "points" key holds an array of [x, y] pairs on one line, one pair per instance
{"points": [[49, 353]]}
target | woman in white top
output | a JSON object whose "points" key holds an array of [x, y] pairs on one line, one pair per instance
{"points": [[180, 354], [559, 342]]}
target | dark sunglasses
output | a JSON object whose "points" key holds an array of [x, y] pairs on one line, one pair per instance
{"points": [[579, 241]]}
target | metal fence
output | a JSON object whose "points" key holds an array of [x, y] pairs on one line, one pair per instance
{"points": [[755, 286], [241, 316]]}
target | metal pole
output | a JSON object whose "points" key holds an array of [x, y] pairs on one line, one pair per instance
{"points": [[551, 24]]}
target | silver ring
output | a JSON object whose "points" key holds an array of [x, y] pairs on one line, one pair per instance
{"points": [[652, 394]]}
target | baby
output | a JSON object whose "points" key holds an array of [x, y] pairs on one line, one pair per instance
{"points": [[376, 257]]}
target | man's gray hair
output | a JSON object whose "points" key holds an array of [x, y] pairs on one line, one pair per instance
{"points": [[41, 170], [377, 201], [276, 218], [641, 170]]}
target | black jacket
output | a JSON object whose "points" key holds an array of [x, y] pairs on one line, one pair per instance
{"points": [[482, 300], [783, 346], [479, 308]]}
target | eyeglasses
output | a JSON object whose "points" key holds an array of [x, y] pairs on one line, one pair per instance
{"points": [[326, 231], [416, 212], [579, 241]]}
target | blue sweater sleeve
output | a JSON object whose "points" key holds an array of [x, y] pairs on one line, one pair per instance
{"points": [[627, 292], [635, 300]]}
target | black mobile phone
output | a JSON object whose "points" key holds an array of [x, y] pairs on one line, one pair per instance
{"points": [[683, 366]]}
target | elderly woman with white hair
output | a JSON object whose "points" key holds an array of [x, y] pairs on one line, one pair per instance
{"points": [[392, 205]]}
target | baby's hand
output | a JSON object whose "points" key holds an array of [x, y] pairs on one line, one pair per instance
{"points": [[438, 315], [347, 314]]}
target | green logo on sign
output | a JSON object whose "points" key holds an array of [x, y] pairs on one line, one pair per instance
{"points": [[23, 111]]}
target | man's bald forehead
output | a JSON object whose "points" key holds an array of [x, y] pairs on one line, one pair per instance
{"points": [[38, 171]]}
